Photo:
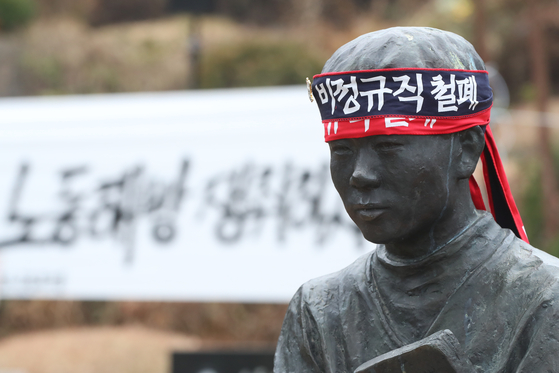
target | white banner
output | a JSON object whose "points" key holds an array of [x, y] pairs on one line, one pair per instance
{"points": [[220, 195]]}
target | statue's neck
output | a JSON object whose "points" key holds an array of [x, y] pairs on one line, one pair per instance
{"points": [[426, 242]]}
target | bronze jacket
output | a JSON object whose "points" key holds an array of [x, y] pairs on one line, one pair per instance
{"points": [[497, 294]]}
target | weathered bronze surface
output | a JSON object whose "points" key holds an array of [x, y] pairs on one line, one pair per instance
{"points": [[440, 263]]}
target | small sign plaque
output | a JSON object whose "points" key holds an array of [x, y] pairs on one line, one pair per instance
{"points": [[192, 6], [223, 362]]}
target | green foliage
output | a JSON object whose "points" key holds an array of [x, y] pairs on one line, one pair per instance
{"points": [[528, 92], [46, 72], [258, 64], [114, 11], [15, 13], [532, 206], [531, 209], [553, 247]]}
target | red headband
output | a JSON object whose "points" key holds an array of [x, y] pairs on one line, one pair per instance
{"points": [[416, 101]]}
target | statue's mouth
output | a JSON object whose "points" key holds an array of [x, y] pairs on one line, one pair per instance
{"points": [[369, 212]]}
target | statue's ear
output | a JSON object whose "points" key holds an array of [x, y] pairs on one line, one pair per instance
{"points": [[472, 142]]}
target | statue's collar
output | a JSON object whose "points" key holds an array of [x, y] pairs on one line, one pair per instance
{"points": [[446, 250]]}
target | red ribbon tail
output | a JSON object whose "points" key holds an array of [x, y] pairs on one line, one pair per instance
{"points": [[476, 194], [501, 201]]}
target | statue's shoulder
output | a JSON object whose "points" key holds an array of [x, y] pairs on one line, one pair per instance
{"points": [[517, 258], [548, 261], [536, 258], [344, 282], [534, 268]]}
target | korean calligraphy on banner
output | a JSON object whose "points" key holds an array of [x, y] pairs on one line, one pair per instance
{"points": [[146, 196]]}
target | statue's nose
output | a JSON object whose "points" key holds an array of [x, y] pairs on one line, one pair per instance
{"points": [[365, 174]]}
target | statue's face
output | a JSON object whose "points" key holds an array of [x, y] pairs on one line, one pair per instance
{"points": [[393, 187]]}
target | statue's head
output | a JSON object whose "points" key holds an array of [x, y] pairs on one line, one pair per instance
{"points": [[405, 47], [404, 111]]}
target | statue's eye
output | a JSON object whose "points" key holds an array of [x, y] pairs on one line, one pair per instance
{"points": [[340, 150], [388, 145]]}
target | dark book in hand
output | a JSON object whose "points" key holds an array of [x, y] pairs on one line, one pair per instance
{"points": [[439, 353]]}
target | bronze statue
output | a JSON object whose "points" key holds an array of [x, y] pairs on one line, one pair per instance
{"points": [[406, 114]]}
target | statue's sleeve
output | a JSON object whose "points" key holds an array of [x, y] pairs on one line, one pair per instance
{"points": [[538, 342], [299, 349]]}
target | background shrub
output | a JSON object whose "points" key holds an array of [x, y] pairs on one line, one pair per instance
{"points": [[258, 64], [15, 13], [115, 11], [531, 207]]}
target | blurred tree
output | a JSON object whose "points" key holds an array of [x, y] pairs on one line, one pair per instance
{"points": [[258, 64], [261, 12], [15, 13], [78, 8], [532, 203], [480, 29], [339, 13], [508, 40], [307, 12], [393, 10], [540, 73], [527, 26], [191, 6], [113, 11]]}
